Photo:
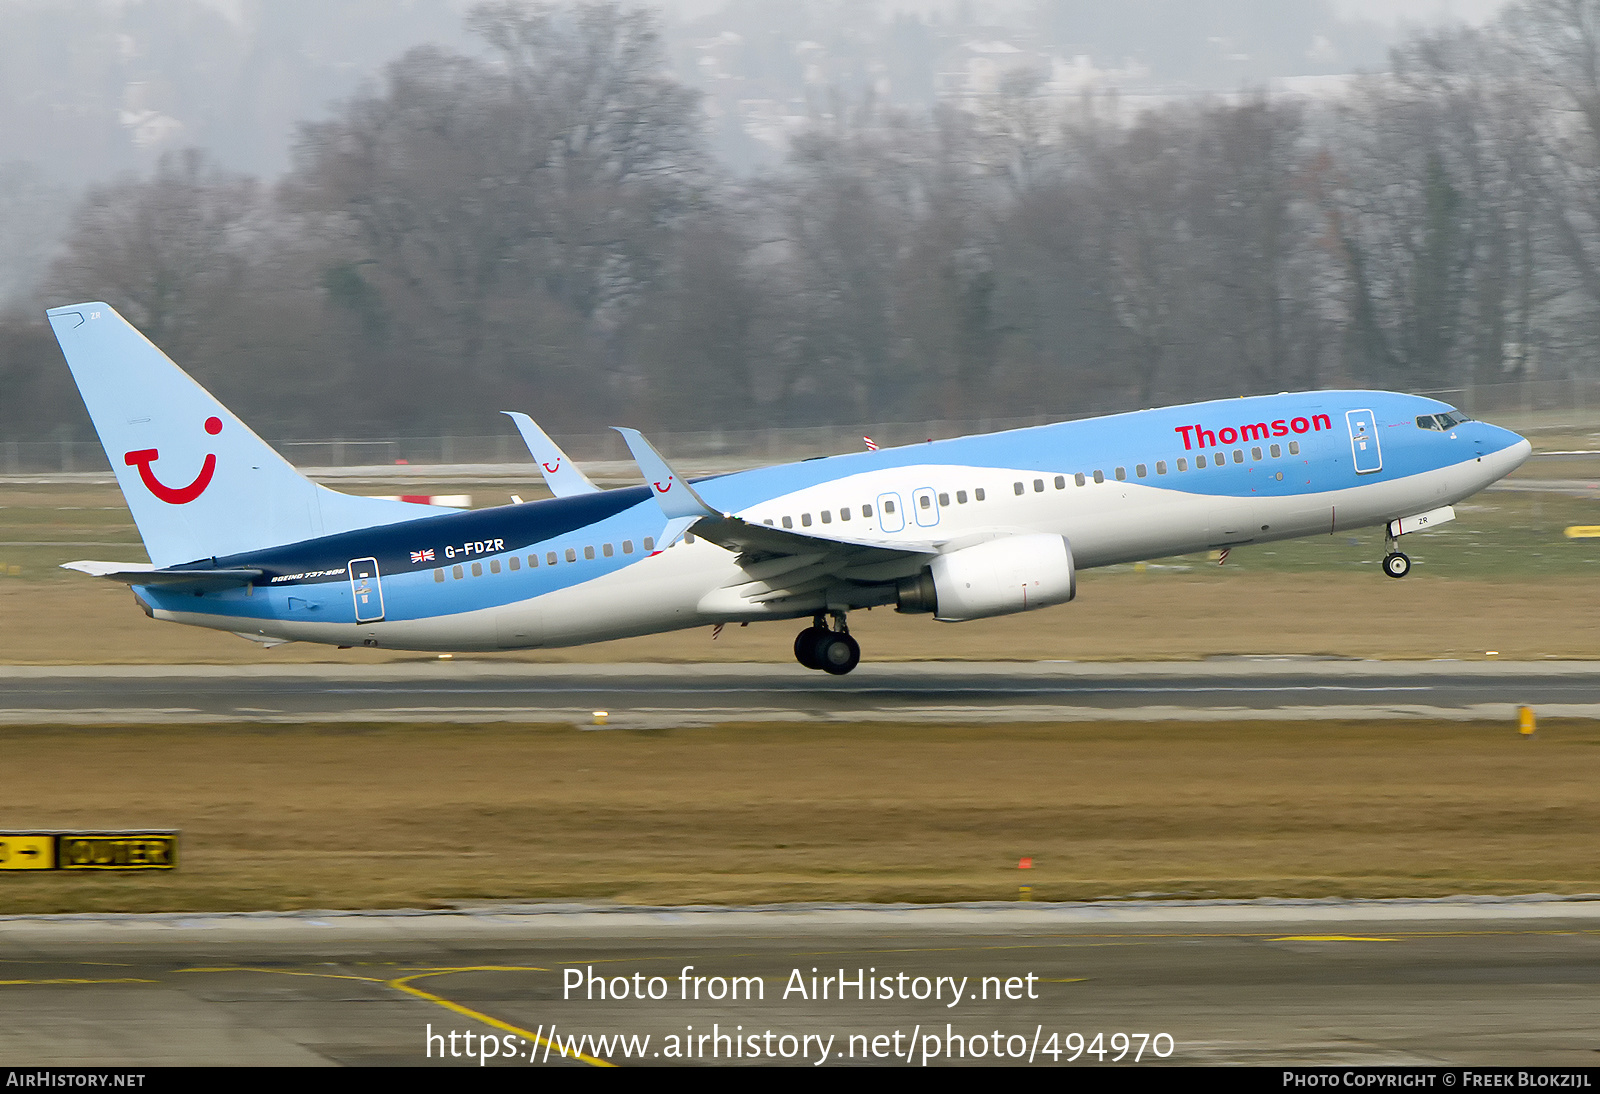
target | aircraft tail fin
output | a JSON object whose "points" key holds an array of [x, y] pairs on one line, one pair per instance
{"points": [[199, 483]]}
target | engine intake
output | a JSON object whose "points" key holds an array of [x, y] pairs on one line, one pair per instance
{"points": [[999, 577]]}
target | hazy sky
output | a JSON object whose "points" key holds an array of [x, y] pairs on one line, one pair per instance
{"points": [[1420, 11], [1382, 11]]}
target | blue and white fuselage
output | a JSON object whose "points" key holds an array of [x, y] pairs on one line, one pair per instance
{"points": [[962, 528]]}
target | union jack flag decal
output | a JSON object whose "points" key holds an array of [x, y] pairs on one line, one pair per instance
{"points": [[422, 556]]}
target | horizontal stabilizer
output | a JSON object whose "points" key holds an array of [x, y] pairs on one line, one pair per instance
{"points": [[142, 573]]}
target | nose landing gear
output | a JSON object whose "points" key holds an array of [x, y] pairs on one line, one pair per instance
{"points": [[831, 650], [1395, 564]]}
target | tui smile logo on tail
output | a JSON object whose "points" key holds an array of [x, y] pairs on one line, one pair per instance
{"points": [[181, 495]]}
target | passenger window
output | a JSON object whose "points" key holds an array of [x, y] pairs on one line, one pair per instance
{"points": [[961, 497], [844, 514], [805, 520], [572, 555], [627, 545], [1079, 478], [768, 521], [1061, 482], [515, 563], [925, 501], [550, 558], [649, 543], [1099, 476], [607, 550], [1122, 474], [1161, 467], [533, 562], [438, 575], [477, 569], [494, 566], [1238, 455], [588, 552], [788, 522], [1139, 470], [978, 494], [1221, 459], [866, 511], [1199, 461], [1294, 448], [688, 537], [827, 516], [1017, 488], [455, 572], [1038, 486], [1183, 464], [944, 500], [1276, 451], [1255, 453], [888, 507]]}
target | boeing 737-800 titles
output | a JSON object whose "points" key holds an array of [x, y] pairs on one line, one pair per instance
{"points": [[963, 529]]}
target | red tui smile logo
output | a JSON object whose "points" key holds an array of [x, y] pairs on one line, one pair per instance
{"points": [[181, 495], [553, 467]]}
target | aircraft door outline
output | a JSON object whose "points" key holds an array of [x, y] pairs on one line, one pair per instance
{"points": [[366, 590], [890, 516], [925, 504], [1364, 441]]}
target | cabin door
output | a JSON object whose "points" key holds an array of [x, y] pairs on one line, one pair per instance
{"points": [[1364, 441], [366, 589]]}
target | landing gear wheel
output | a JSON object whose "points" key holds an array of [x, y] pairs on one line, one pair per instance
{"points": [[806, 645], [839, 653], [1396, 564]]}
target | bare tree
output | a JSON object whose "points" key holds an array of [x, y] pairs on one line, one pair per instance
{"points": [[168, 252]]}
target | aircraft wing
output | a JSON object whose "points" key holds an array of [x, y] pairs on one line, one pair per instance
{"points": [[561, 475], [142, 573], [778, 563]]}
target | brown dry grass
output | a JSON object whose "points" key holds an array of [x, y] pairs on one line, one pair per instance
{"points": [[1117, 616], [391, 816]]}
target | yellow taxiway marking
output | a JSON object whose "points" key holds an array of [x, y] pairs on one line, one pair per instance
{"points": [[1330, 938], [80, 980], [287, 972], [403, 984]]}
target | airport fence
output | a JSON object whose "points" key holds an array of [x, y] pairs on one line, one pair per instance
{"points": [[1532, 407]]}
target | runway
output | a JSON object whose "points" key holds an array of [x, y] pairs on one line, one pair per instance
{"points": [[644, 696], [1427, 983]]}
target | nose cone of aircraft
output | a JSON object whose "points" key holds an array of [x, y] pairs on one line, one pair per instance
{"points": [[1501, 450]]}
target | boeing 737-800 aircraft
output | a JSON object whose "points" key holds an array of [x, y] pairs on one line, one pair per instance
{"points": [[963, 529]]}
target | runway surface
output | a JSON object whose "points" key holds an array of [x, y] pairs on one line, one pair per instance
{"points": [[656, 695], [1419, 983]]}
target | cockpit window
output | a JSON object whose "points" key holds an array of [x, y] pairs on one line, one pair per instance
{"points": [[1442, 422]]}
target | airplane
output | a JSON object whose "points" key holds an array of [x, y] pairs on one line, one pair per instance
{"points": [[961, 529]]}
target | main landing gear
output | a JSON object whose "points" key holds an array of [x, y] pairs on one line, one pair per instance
{"points": [[831, 650]]}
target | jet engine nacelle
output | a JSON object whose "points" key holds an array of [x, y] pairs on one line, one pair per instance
{"points": [[998, 577]]}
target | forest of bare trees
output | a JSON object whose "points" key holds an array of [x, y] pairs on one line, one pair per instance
{"points": [[539, 224]]}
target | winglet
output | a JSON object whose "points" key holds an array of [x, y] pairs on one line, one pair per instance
{"points": [[673, 492], [561, 475]]}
